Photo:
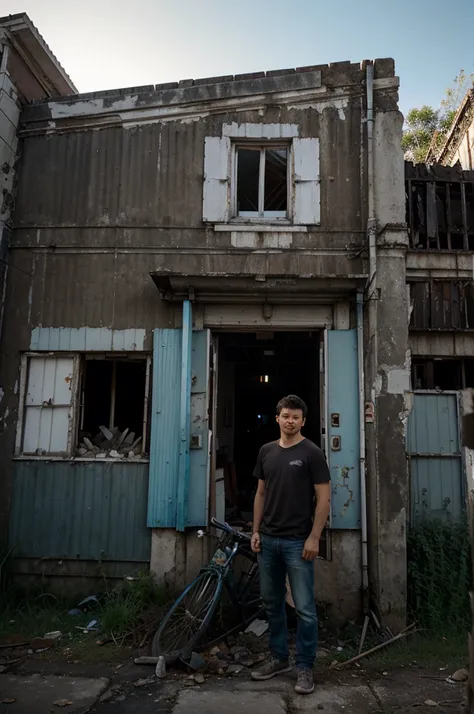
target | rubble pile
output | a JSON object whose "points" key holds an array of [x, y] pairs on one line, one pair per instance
{"points": [[111, 444]]}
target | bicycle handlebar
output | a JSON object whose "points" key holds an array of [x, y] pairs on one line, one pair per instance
{"points": [[229, 529]]}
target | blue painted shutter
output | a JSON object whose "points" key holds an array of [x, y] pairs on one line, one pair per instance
{"points": [[173, 503], [165, 433], [342, 391]]}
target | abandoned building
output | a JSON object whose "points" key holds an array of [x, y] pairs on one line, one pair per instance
{"points": [[458, 146], [183, 255]]}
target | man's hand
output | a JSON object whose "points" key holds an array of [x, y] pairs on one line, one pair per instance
{"points": [[255, 543], [311, 548]]}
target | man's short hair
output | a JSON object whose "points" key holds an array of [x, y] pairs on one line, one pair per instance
{"points": [[292, 402]]}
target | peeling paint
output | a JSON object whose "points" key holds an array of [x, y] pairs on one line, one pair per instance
{"points": [[258, 241], [398, 381], [321, 105]]}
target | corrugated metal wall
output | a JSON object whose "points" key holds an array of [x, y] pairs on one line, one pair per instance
{"points": [[78, 510], [433, 445]]}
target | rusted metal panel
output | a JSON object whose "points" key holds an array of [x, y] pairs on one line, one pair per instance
{"points": [[442, 305], [442, 344], [79, 510]]}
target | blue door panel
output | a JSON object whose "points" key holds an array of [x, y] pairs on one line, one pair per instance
{"points": [[178, 498], [342, 392], [164, 443]]}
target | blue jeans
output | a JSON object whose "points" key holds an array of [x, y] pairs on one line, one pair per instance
{"points": [[279, 557]]}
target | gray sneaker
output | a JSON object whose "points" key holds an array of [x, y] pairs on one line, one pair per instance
{"points": [[305, 681], [270, 669]]}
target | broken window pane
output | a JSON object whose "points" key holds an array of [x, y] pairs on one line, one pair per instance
{"points": [[276, 171], [248, 170], [113, 401]]}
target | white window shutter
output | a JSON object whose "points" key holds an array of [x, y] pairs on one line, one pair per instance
{"points": [[306, 189], [215, 204]]}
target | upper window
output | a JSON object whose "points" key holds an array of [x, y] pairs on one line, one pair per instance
{"points": [[260, 181]]}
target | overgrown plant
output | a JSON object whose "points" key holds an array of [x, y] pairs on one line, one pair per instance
{"points": [[439, 575], [122, 608]]}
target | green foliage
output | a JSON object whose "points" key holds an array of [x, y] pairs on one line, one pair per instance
{"points": [[425, 124], [122, 608], [439, 575], [420, 127], [119, 612]]}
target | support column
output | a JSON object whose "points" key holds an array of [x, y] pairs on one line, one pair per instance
{"points": [[388, 376]]}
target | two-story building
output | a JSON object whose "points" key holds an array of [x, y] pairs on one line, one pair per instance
{"points": [[183, 256]]}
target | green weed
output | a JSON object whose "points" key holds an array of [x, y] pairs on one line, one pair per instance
{"points": [[439, 576]]}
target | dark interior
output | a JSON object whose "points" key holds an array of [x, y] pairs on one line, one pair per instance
{"points": [[129, 387], [268, 366]]}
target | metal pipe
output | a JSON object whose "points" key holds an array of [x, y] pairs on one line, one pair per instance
{"points": [[371, 223], [362, 465], [372, 341]]}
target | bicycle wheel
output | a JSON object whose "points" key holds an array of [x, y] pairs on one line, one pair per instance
{"points": [[189, 617]]}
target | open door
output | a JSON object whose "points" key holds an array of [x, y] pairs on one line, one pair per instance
{"points": [[172, 502], [340, 410]]}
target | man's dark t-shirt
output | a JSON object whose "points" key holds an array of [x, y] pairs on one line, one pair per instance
{"points": [[290, 475]]}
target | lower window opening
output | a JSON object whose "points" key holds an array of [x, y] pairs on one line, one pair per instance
{"points": [[112, 408]]}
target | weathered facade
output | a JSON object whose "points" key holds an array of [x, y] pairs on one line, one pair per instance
{"points": [[163, 234], [28, 71]]}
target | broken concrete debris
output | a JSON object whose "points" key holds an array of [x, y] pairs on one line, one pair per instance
{"points": [[111, 443]]}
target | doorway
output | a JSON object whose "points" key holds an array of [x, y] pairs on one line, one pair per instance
{"points": [[255, 370]]}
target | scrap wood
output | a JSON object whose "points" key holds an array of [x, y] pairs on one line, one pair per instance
{"points": [[410, 630], [14, 644]]}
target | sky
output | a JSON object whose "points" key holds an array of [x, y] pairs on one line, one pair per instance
{"points": [[104, 44]]}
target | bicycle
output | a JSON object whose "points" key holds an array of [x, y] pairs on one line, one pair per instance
{"points": [[183, 628]]}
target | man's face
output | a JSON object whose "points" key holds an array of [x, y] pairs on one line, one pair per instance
{"points": [[290, 421]]}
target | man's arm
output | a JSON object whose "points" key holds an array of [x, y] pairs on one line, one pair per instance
{"points": [[323, 501], [258, 514]]}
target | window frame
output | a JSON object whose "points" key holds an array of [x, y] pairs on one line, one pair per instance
{"points": [[76, 407], [261, 215], [23, 407]]}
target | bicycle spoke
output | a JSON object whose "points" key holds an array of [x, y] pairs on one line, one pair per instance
{"points": [[187, 619]]}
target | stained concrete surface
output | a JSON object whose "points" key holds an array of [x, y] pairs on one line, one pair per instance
{"points": [[398, 692], [228, 702], [36, 693]]}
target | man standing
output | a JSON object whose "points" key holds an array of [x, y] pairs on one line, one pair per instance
{"points": [[292, 472]]}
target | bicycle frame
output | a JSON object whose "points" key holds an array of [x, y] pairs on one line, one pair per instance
{"points": [[237, 596]]}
